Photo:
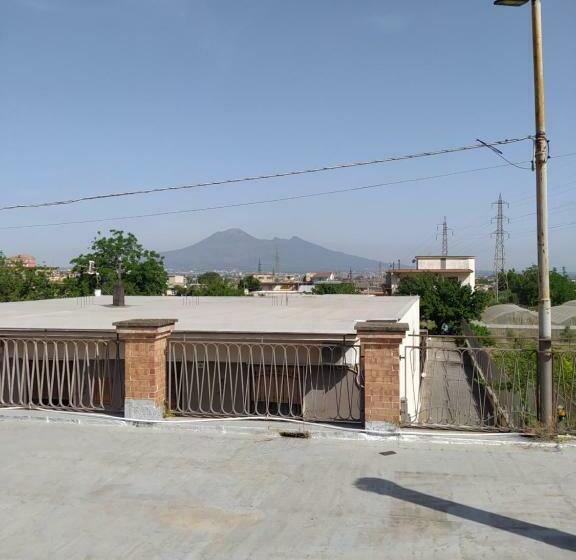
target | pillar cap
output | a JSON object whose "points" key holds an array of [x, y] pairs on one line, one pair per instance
{"points": [[378, 326], [145, 323]]}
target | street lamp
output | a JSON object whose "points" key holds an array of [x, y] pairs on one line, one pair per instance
{"points": [[545, 396], [513, 3]]}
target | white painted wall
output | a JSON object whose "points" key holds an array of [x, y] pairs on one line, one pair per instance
{"points": [[410, 360], [448, 263]]}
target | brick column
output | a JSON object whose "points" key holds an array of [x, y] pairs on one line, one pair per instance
{"points": [[380, 355], [144, 366]]}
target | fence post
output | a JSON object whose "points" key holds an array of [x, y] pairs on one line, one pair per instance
{"points": [[380, 356], [144, 366]]}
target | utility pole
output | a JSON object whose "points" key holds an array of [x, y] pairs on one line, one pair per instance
{"points": [[444, 234], [541, 157], [276, 262], [499, 234], [545, 393]]}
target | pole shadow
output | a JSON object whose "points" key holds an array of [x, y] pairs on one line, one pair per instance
{"points": [[553, 537]]}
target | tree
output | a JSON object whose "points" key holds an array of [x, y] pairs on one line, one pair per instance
{"points": [[523, 287], [329, 288], [250, 283], [212, 284], [18, 282], [144, 269], [443, 301]]}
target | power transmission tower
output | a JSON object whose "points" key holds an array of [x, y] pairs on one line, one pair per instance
{"points": [[259, 266], [499, 234], [444, 233]]}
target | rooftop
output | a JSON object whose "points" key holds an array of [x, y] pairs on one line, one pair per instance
{"points": [[431, 270], [105, 492], [334, 314], [445, 257]]}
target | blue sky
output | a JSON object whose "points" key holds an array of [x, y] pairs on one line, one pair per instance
{"points": [[108, 95]]}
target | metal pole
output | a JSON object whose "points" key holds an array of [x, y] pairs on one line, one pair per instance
{"points": [[545, 396]]}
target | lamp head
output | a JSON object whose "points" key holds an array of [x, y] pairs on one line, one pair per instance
{"points": [[511, 3]]}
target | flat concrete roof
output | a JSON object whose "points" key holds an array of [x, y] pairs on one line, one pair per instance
{"points": [[334, 314], [100, 492], [432, 270]]}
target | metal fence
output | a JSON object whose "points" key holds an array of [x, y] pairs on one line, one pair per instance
{"points": [[474, 383], [320, 382], [61, 374]]}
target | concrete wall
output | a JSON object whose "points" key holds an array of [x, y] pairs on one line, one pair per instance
{"points": [[448, 263], [410, 360]]}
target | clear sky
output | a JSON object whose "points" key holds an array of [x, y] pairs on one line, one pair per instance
{"points": [[105, 95]]}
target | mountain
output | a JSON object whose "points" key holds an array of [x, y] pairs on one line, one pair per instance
{"points": [[234, 249]]}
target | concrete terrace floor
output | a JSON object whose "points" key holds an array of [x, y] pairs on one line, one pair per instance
{"points": [[105, 492]]}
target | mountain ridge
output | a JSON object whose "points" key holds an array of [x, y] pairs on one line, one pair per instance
{"points": [[235, 249]]}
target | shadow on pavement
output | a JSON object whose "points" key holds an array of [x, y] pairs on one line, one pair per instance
{"points": [[546, 535]]}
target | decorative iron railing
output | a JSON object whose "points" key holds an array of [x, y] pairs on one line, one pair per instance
{"points": [[61, 374], [310, 381]]}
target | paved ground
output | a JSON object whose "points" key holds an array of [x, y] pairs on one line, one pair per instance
{"points": [[446, 394], [106, 492]]}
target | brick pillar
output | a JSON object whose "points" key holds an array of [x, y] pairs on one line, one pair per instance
{"points": [[380, 354], [144, 366]]}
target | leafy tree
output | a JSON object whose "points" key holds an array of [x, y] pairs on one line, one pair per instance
{"points": [[250, 283], [18, 282], [443, 301], [144, 269], [329, 288], [212, 284], [210, 278], [523, 287]]}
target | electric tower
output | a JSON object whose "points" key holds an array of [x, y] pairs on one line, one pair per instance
{"points": [[500, 234], [444, 234]]}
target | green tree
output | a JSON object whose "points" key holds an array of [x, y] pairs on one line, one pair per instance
{"points": [[523, 287], [250, 283], [144, 269], [18, 282], [212, 284], [443, 301], [329, 288]]}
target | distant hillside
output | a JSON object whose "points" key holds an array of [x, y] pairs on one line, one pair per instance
{"points": [[234, 249]]}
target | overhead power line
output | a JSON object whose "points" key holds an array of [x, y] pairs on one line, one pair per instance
{"points": [[335, 167], [259, 202]]}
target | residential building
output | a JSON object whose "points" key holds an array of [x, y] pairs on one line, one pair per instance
{"points": [[28, 261], [460, 268], [175, 280], [319, 277], [331, 358]]}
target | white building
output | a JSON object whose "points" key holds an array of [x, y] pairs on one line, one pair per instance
{"points": [[177, 280], [460, 268]]}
